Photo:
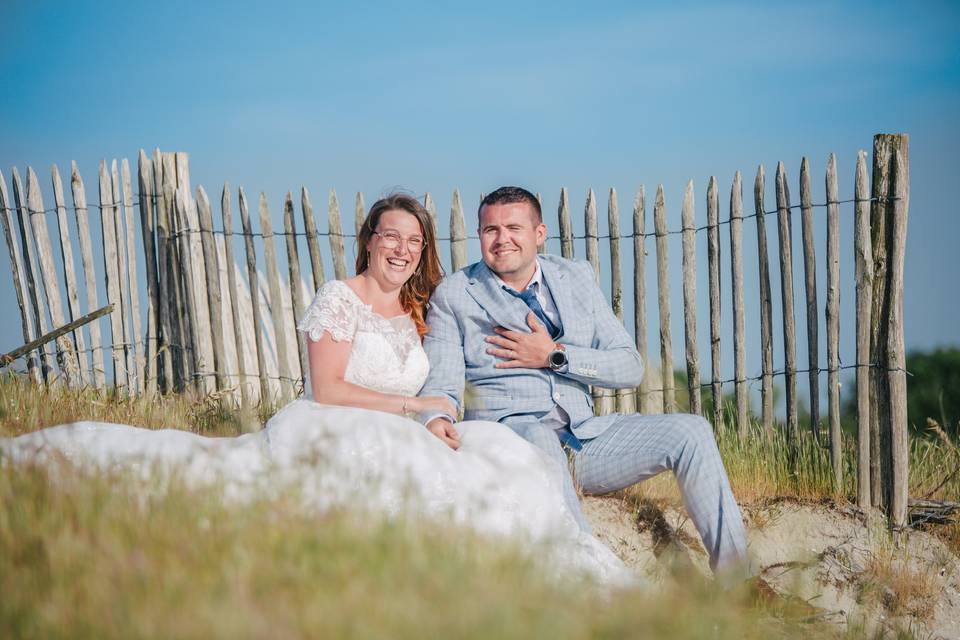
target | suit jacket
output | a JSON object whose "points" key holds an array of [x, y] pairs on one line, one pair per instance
{"points": [[470, 303]]}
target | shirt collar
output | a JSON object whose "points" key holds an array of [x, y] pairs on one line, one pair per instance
{"points": [[537, 279]]}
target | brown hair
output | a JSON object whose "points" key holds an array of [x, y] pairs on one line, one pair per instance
{"points": [[511, 195], [416, 291]]}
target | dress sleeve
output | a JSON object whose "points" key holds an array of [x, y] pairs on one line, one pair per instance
{"points": [[334, 309]]}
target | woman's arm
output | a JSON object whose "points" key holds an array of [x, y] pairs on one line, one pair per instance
{"points": [[328, 364]]}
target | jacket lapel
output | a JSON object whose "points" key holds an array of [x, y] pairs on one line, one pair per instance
{"points": [[556, 279], [506, 310]]}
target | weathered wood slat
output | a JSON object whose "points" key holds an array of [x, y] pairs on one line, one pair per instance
{"points": [[810, 287], [180, 337], [863, 266], [566, 227], [66, 355], [296, 290], [265, 395], [591, 239], [81, 213], [70, 278], [458, 234], [40, 326], [280, 325], [603, 400], [336, 236], [214, 287], [313, 244], [111, 269], [689, 265], [359, 214], [70, 327], [203, 340], [234, 291], [640, 292], [626, 398], [170, 345], [663, 301], [19, 283], [431, 207], [126, 313], [888, 388], [713, 274], [131, 266], [736, 284], [766, 304], [833, 320], [191, 297], [897, 485], [147, 235], [785, 236]]}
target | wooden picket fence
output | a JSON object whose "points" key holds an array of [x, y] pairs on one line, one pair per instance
{"points": [[211, 326]]}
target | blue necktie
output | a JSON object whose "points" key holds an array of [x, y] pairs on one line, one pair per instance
{"points": [[530, 298]]}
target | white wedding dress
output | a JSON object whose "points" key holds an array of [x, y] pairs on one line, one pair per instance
{"points": [[496, 482]]}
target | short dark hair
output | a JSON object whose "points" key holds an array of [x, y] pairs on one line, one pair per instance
{"points": [[511, 195]]}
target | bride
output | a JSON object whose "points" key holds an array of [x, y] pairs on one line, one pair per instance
{"points": [[349, 440]]}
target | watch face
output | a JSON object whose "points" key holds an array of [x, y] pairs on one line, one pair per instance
{"points": [[557, 359]]}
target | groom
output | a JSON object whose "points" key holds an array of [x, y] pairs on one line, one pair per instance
{"points": [[529, 333]]}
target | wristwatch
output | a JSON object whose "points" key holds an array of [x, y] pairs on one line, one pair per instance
{"points": [[558, 357]]}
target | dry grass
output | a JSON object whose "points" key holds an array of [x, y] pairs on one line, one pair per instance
{"points": [[890, 581], [89, 556]]}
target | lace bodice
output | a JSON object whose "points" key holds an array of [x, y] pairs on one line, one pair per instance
{"points": [[386, 354]]}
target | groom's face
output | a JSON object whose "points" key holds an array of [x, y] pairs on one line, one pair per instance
{"points": [[509, 237]]}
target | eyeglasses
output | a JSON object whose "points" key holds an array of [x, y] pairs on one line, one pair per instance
{"points": [[392, 240]]}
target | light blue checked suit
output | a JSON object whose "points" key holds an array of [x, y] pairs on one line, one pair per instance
{"points": [[618, 450]]}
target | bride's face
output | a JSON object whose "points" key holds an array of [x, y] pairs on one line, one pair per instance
{"points": [[395, 247]]}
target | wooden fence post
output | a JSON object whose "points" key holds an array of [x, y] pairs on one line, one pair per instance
{"points": [[863, 255], [136, 349], [640, 292], [148, 235], [458, 234], [111, 268], [785, 235], [234, 289], [766, 304], [810, 287], [276, 298], [265, 395], [736, 284], [713, 275], [689, 266], [191, 296], [66, 357], [336, 236], [888, 222], [313, 245], [832, 314], [566, 228], [89, 273], [214, 287], [122, 278], [70, 276], [296, 289], [625, 398], [663, 299], [30, 270], [19, 286]]}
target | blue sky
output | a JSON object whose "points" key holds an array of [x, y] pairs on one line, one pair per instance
{"points": [[371, 96]]}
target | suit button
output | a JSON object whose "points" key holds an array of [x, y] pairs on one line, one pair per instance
{"points": [[556, 397]]}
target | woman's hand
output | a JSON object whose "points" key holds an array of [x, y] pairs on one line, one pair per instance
{"points": [[432, 405]]}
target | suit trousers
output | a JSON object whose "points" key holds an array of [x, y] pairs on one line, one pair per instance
{"points": [[636, 447]]}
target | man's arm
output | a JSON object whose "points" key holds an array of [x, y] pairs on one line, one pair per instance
{"points": [[444, 347], [612, 360]]}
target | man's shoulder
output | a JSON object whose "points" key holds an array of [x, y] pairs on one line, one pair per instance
{"points": [[579, 267]]}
